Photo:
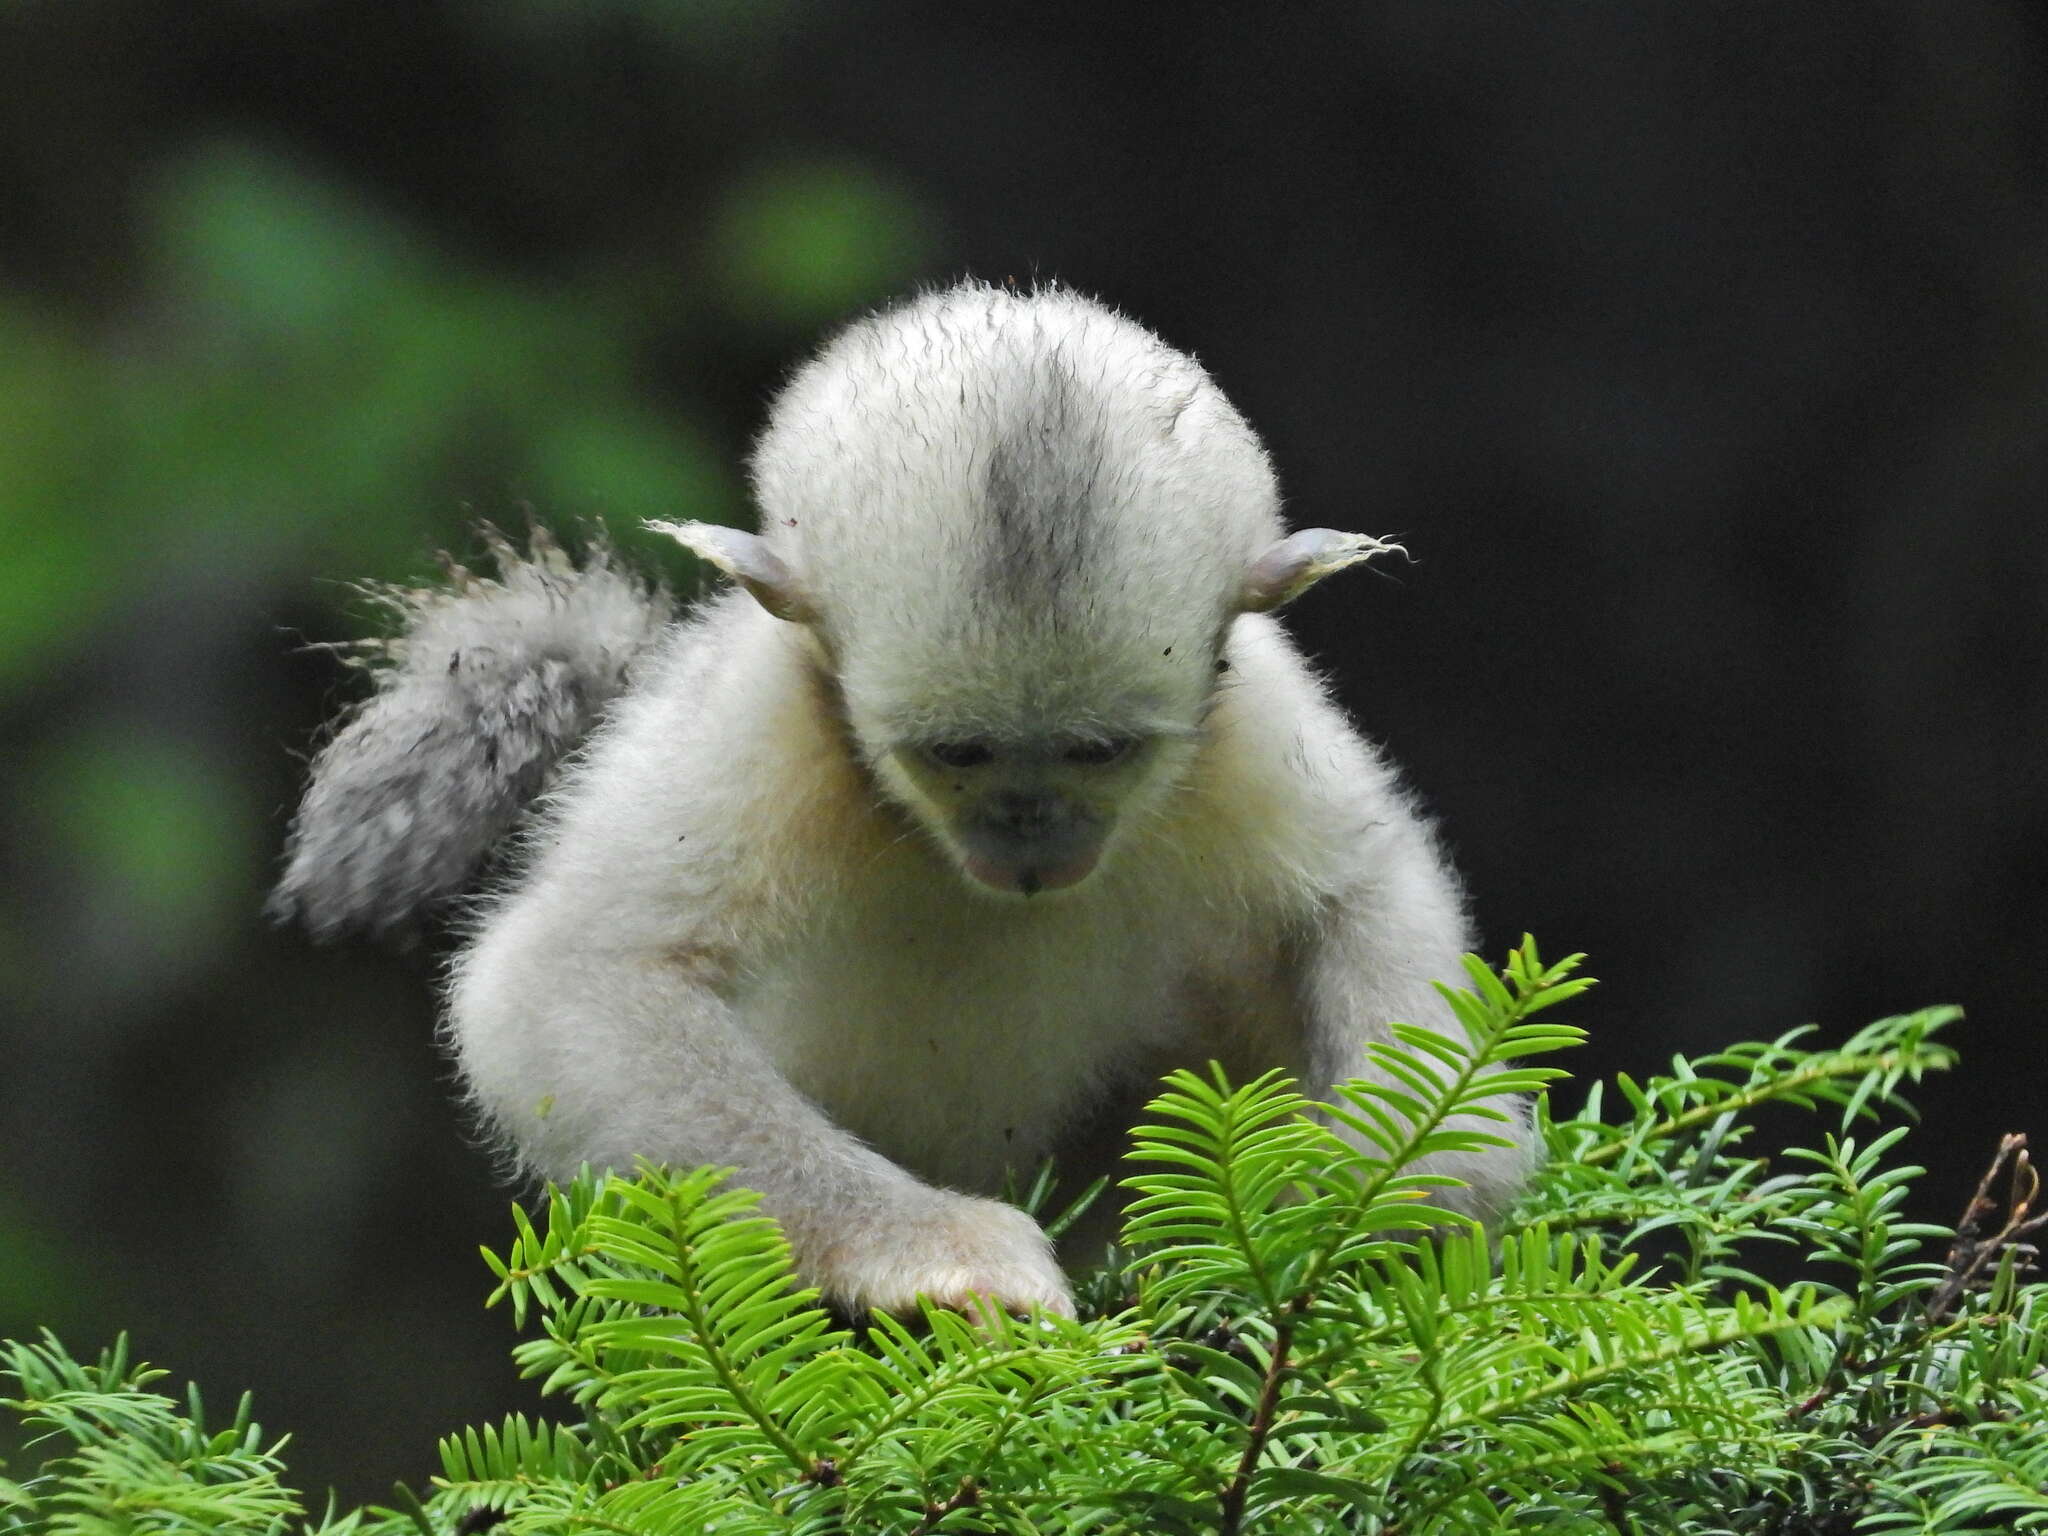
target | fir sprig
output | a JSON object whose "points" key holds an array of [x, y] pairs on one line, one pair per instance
{"points": [[1292, 1337]]}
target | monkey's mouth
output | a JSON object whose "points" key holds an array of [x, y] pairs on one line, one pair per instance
{"points": [[1023, 841], [1029, 877]]}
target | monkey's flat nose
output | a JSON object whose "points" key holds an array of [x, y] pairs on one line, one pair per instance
{"points": [[1027, 816]]}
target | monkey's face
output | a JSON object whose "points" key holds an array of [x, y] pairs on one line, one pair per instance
{"points": [[1025, 814]]}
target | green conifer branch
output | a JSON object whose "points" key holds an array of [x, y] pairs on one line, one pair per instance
{"points": [[1288, 1366]]}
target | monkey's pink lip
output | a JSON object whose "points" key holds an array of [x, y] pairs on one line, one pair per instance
{"points": [[1030, 879]]}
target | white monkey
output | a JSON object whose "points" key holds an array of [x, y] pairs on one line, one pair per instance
{"points": [[992, 791]]}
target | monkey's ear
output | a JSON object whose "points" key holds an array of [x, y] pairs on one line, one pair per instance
{"points": [[1292, 565], [748, 561]]}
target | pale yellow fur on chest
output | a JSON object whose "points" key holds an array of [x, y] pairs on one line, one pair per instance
{"points": [[1017, 1017]]}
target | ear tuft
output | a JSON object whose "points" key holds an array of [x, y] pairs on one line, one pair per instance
{"points": [[750, 562], [1291, 566]]}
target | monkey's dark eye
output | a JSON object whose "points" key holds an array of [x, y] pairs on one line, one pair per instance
{"points": [[961, 754], [1098, 753]]}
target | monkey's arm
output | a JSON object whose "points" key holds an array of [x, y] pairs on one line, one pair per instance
{"points": [[1373, 907], [581, 1050], [1374, 961]]}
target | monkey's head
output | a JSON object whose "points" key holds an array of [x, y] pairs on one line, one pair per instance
{"points": [[1018, 528]]}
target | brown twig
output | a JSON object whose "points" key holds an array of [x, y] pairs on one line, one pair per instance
{"points": [[966, 1496], [1614, 1502], [1261, 1430], [1972, 1252]]}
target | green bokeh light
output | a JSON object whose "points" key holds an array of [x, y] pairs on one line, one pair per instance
{"points": [[802, 244]]}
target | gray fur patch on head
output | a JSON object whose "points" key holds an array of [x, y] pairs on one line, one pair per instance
{"points": [[1040, 489], [483, 689]]}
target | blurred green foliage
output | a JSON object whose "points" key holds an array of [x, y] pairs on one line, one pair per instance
{"points": [[807, 242], [305, 376], [302, 386], [290, 379], [159, 823]]}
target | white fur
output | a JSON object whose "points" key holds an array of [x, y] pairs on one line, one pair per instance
{"points": [[743, 937]]}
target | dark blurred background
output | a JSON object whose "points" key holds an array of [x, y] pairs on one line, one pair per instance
{"points": [[1699, 352]]}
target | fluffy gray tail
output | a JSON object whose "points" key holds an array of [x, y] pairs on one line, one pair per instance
{"points": [[479, 693]]}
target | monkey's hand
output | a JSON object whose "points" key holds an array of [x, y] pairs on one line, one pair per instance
{"points": [[959, 1252]]}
